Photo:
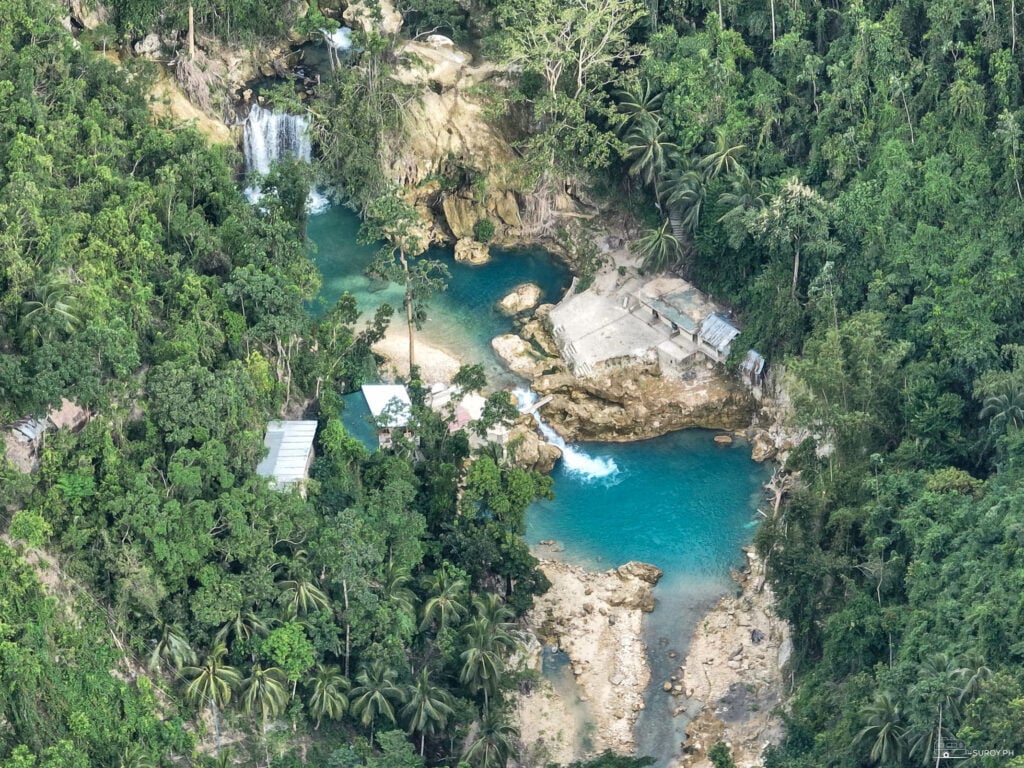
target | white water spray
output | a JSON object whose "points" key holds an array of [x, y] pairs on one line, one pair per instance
{"points": [[270, 136], [576, 461], [340, 39]]}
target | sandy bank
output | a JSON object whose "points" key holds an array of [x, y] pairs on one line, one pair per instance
{"points": [[435, 364], [596, 619], [735, 681]]}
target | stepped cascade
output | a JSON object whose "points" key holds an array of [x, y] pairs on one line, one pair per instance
{"points": [[576, 461], [270, 136]]}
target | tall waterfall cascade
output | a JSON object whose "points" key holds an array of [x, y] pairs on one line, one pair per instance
{"points": [[270, 136], [576, 462]]}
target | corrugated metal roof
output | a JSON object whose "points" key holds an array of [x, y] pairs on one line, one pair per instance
{"points": [[380, 396], [753, 363], [718, 332], [289, 445]]}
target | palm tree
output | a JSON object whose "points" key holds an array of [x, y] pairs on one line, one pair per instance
{"points": [[243, 626], [491, 609], [396, 590], [136, 756], [301, 598], [213, 682], [723, 158], [172, 648], [492, 745], [482, 664], [446, 605], [265, 690], [1006, 409], [376, 694], [649, 150], [327, 697], [659, 248], [884, 729], [427, 709], [49, 310], [640, 104]]}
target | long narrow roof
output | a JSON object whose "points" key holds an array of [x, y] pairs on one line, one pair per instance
{"points": [[289, 444], [379, 398]]}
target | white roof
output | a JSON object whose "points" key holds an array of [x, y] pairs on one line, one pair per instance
{"points": [[380, 396], [289, 444]]}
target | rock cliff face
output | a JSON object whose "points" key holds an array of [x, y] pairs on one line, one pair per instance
{"points": [[636, 402]]}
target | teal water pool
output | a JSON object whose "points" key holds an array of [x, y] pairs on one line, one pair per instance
{"points": [[680, 502], [462, 319]]}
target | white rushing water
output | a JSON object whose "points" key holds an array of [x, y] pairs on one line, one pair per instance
{"points": [[340, 39], [576, 461], [270, 136]]}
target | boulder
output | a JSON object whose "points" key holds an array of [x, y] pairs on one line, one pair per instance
{"points": [[470, 251], [366, 17], [522, 298], [723, 439], [149, 46], [643, 571], [531, 452], [763, 448], [461, 215], [518, 355]]}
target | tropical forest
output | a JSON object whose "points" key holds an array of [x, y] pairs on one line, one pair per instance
{"points": [[838, 181]]}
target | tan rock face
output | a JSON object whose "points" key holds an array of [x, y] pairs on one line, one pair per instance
{"points": [[461, 214], [518, 355], [365, 17], [636, 402], [470, 251], [529, 451]]}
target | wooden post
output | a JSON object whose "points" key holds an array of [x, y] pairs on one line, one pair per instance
{"points": [[191, 33]]}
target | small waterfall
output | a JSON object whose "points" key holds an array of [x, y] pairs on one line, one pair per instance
{"points": [[270, 136], [340, 39], [576, 461]]}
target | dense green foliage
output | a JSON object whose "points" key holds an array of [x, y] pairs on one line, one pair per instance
{"points": [[137, 281]]}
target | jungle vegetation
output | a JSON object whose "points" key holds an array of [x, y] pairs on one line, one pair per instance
{"points": [[846, 175]]}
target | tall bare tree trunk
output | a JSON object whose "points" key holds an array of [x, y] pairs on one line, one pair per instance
{"points": [[1013, 26], [796, 271], [772, 4], [191, 33], [408, 314], [721, 21], [348, 627]]}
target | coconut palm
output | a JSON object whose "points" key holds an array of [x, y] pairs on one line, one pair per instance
{"points": [[265, 690], [327, 687], [242, 627], [640, 104], [482, 664], [885, 730], [49, 310], [427, 708], [172, 648], [492, 745], [497, 616], [723, 159], [136, 756], [649, 150], [376, 695], [301, 598], [396, 590], [213, 682], [659, 248], [1005, 410], [446, 605]]}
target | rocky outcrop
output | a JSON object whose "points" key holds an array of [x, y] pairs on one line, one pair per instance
{"points": [[529, 451], [733, 674], [470, 251], [380, 15], [637, 402], [596, 619], [520, 299], [521, 357]]}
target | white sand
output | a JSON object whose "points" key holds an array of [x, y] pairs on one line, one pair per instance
{"points": [[435, 364]]}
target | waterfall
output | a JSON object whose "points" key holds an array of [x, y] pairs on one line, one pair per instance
{"points": [[270, 136], [576, 461], [340, 39]]}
